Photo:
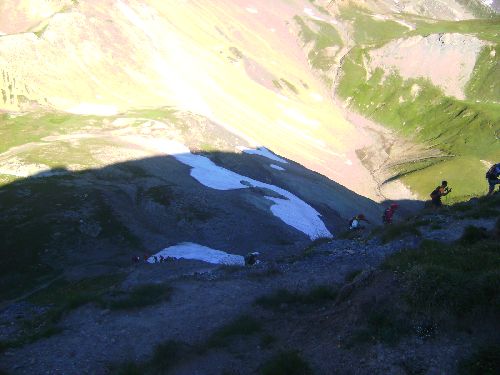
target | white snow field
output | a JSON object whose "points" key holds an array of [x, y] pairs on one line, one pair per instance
{"points": [[189, 250], [277, 167], [289, 208], [262, 151]]}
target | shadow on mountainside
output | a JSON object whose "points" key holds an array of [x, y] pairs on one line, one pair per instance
{"points": [[77, 224]]}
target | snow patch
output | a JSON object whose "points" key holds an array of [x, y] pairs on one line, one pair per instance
{"points": [[316, 96], [274, 166], [290, 209], [189, 250], [311, 14], [295, 114], [262, 151]]}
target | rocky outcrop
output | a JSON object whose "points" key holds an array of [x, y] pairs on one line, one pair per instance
{"points": [[447, 60]]}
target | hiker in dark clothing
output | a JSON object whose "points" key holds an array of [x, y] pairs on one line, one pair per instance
{"points": [[439, 192], [492, 177], [389, 213], [355, 222]]}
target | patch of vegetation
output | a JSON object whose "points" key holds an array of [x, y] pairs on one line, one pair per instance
{"points": [[286, 363], [40, 32], [484, 84], [464, 131], [383, 324], [368, 30], [473, 234], [244, 325], [191, 212], [452, 278], [486, 361], [236, 52], [352, 275], [284, 297], [19, 130], [308, 250], [62, 297], [111, 225], [477, 8], [163, 194], [393, 231], [486, 207], [166, 355], [27, 227], [141, 296], [277, 84], [485, 29], [325, 37], [290, 86]]}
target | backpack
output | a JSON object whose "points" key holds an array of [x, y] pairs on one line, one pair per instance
{"points": [[385, 216], [491, 172], [435, 192]]}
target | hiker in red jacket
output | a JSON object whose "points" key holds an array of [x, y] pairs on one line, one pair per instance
{"points": [[389, 213]]}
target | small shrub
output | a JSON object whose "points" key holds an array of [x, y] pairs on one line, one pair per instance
{"points": [[486, 361], [473, 234], [245, 325], [286, 363]]}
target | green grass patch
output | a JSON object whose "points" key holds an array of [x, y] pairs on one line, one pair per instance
{"points": [[21, 129], [369, 30], [244, 325], [286, 363], [284, 297], [383, 324], [484, 83], [454, 278], [62, 297], [485, 29], [323, 36], [394, 231], [464, 131], [472, 235]]}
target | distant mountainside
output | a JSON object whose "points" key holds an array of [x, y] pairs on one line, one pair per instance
{"points": [[408, 65]]}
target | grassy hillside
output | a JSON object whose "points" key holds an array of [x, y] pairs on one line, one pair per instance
{"points": [[466, 131]]}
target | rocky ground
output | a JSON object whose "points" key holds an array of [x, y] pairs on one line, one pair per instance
{"points": [[204, 299]]}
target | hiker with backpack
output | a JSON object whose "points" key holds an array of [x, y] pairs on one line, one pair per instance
{"points": [[355, 222], [440, 191], [389, 213], [492, 177]]}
